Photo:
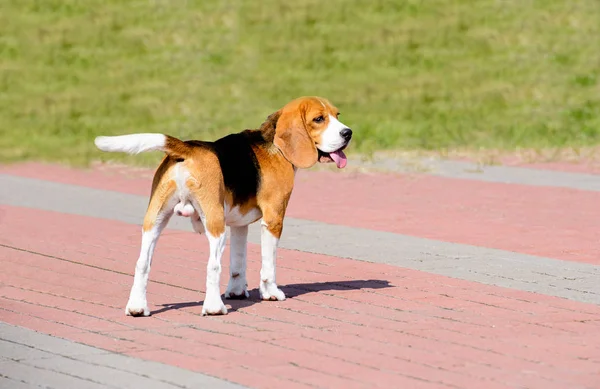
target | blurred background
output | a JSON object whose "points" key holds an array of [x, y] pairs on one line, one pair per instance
{"points": [[433, 75]]}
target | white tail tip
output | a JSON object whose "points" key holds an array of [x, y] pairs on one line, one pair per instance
{"points": [[131, 144]]}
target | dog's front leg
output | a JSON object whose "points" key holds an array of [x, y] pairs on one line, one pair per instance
{"points": [[269, 238], [238, 285]]}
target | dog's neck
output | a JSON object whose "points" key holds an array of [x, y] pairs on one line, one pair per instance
{"points": [[267, 129], [265, 135]]}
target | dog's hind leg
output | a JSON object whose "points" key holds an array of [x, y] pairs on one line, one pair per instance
{"points": [[238, 285], [160, 210], [209, 200], [214, 223], [207, 191]]}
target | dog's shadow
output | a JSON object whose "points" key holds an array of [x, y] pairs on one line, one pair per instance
{"points": [[291, 291]]}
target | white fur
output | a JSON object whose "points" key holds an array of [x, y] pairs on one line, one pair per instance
{"points": [[181, 176], [131, 144], [331, 139], [137, 304], [238, 284], [268, 287], [213, 305]]}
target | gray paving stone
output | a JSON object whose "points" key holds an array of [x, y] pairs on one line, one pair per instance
{"points": [[31, 359], [34, 376], [8, 383], [488, 173], [96, 373], [16, 351], [35, 342], [153, 370]]}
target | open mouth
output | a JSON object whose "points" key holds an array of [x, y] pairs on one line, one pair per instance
{"points": [[337, 156]]}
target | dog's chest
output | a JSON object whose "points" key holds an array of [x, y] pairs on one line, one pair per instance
{"points": [[236, 218]]}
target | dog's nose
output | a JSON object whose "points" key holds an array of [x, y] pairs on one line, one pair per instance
{"points": [[346, 133]]}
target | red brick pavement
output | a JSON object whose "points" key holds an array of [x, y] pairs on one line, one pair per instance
{"points": [[347, 324], [511, 217]]}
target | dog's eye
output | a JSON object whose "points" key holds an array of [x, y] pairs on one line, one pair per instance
{"points": [[318, 119], [337, 115]]}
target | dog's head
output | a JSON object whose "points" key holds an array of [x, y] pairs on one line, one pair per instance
{"points": [[307, 130]]}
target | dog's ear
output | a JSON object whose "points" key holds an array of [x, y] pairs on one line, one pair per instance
{"points": [[292, 138]]}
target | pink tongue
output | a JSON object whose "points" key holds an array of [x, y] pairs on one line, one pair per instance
{"points": [[339, 158]]}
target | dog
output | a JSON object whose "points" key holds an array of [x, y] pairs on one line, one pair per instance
{"points": [[233, 181]]}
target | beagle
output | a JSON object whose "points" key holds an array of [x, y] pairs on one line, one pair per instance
{"points": [[233, 181]]}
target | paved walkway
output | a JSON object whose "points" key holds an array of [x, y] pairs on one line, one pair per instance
{"points": [[405, 281], [31, 359]]}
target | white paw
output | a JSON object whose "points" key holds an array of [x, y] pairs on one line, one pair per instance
{"points": [[270, 291], [237, 288], [137, 308], [213, 306]]}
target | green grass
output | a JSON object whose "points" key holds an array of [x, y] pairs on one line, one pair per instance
{"points": [[429, 74]]}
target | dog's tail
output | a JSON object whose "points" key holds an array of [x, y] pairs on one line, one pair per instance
{"points": [[138, 143]]}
